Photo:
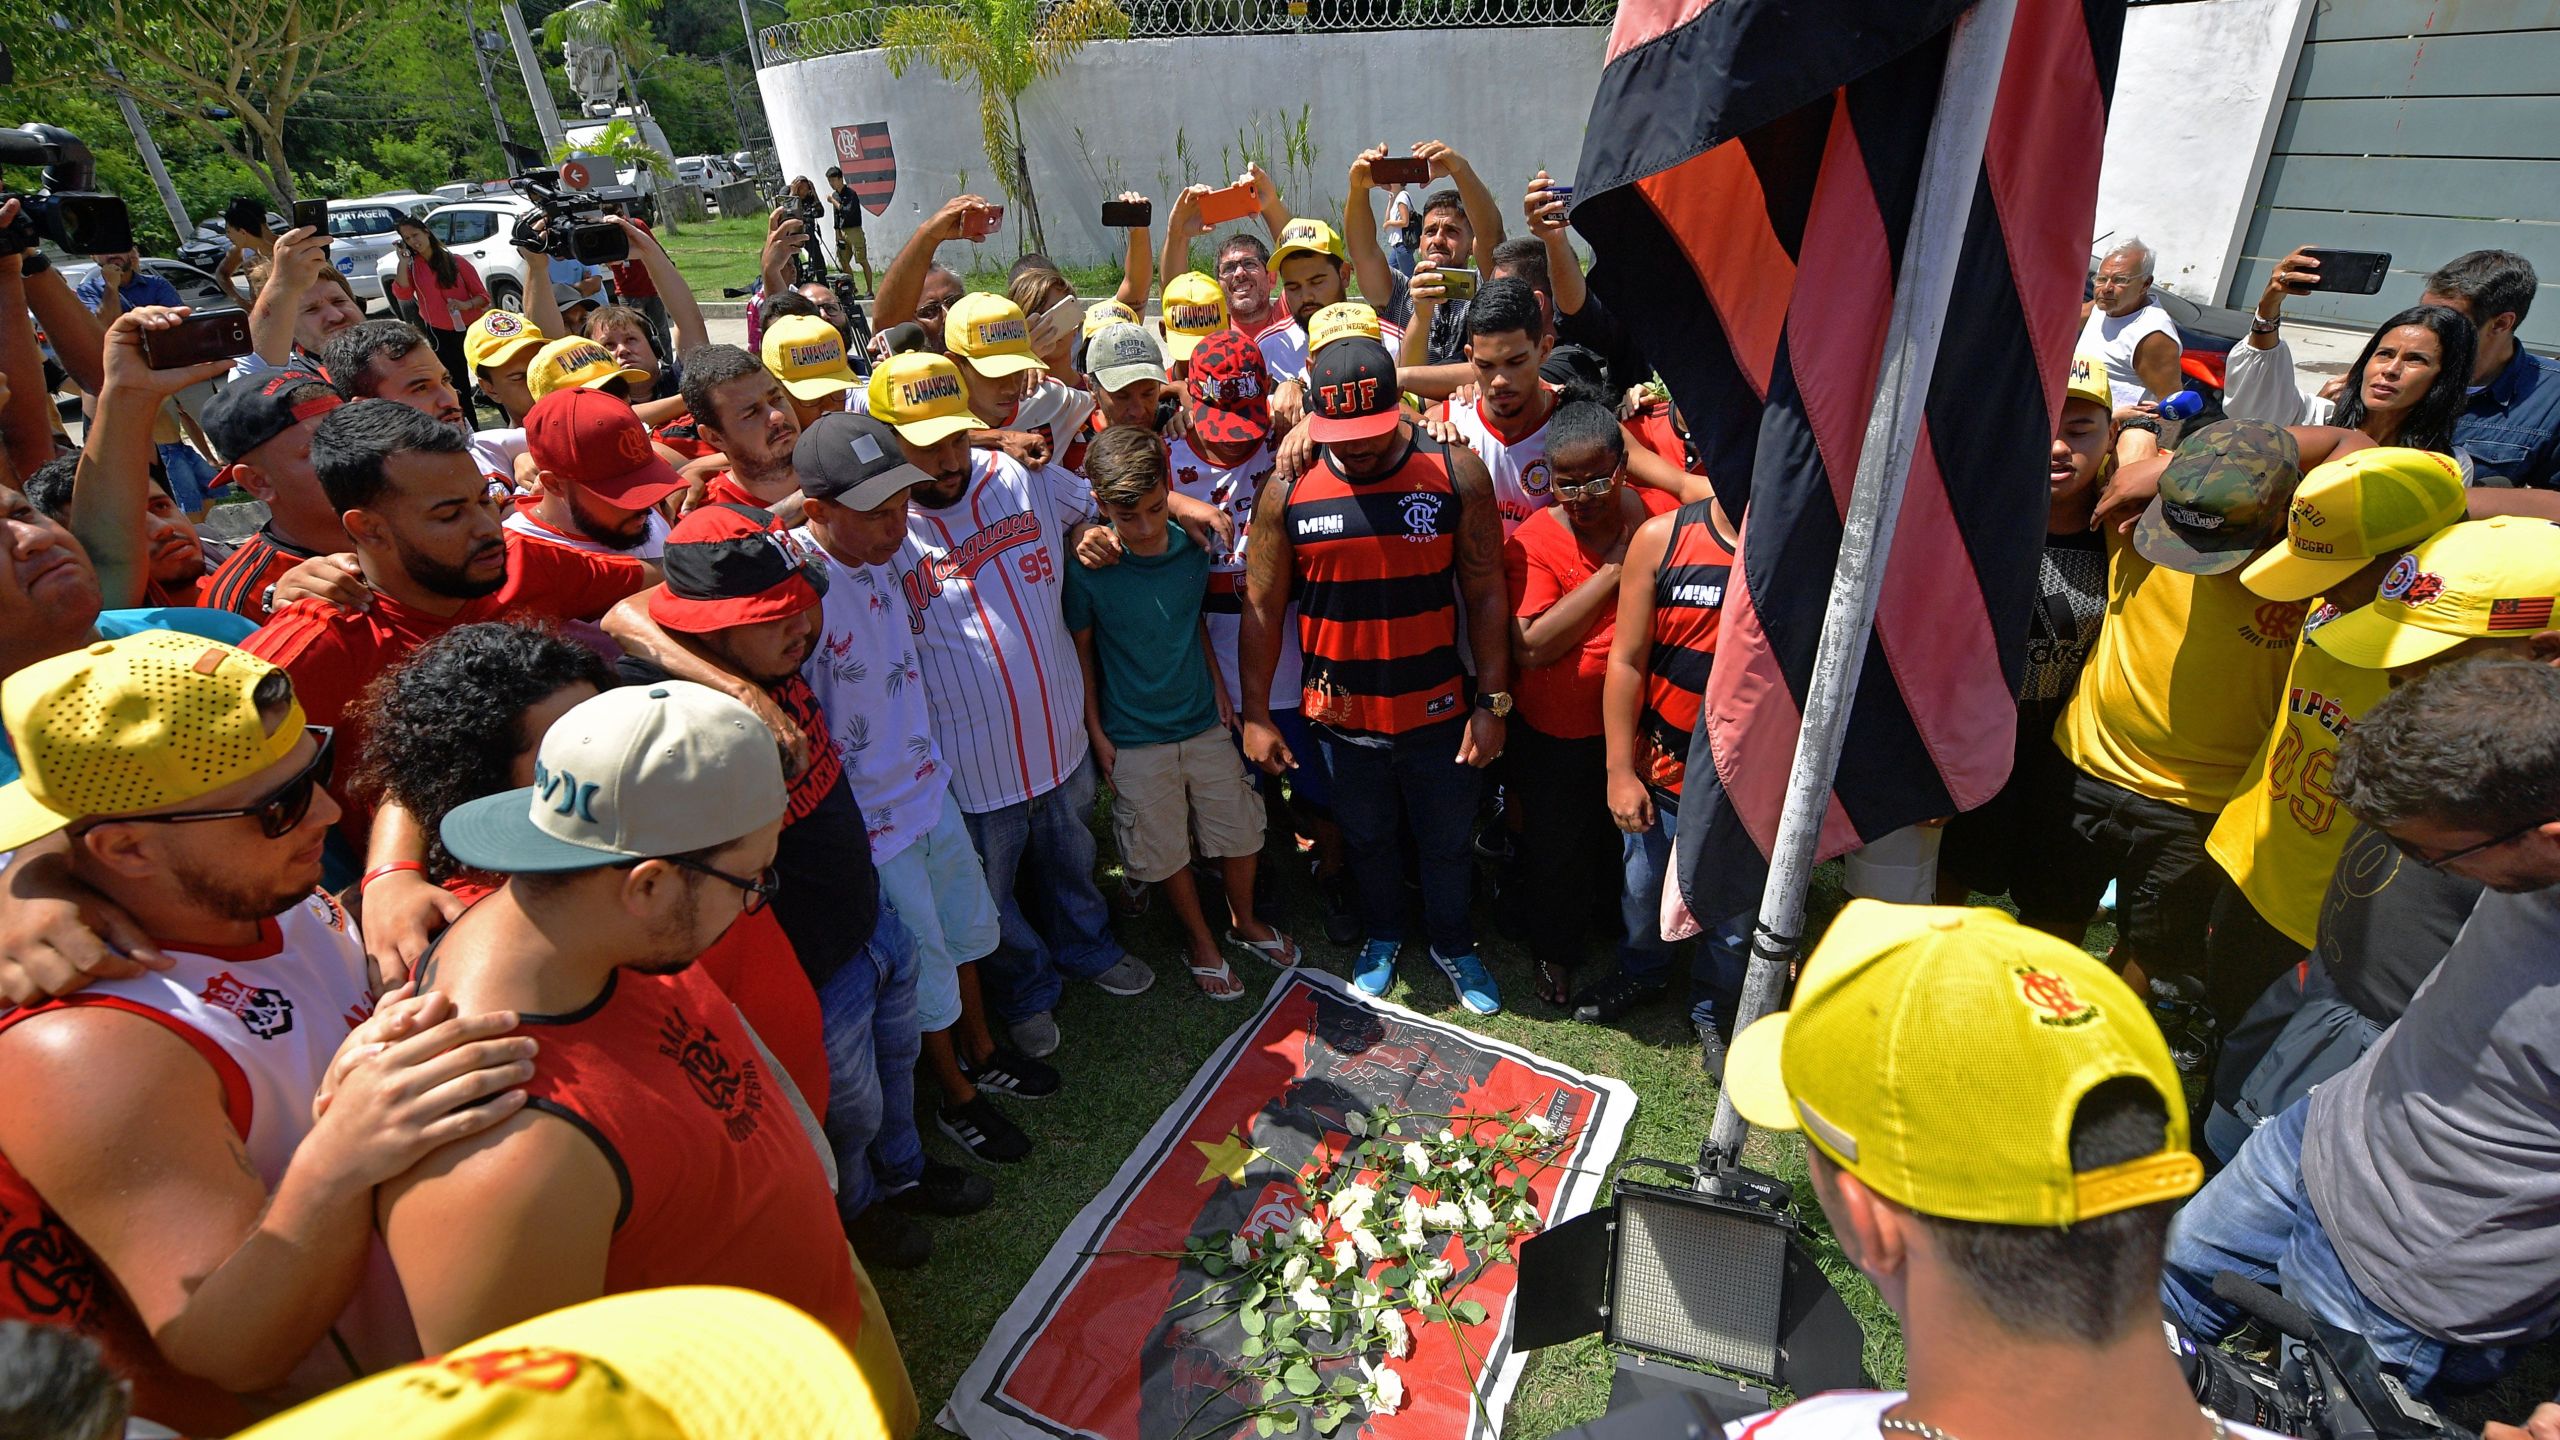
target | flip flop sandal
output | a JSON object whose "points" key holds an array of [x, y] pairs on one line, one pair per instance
{"points": [[1280, 950], [1554, 983], [1220, 971]]}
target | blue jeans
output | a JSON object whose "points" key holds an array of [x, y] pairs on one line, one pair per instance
{"points": [[1415, 778], [1045, 840], [1721, 955], [2254, 1219], [1400, 258], [869, 1009]]}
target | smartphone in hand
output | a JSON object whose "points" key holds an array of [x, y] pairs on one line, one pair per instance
{"points": [[1128, 214], [980, 221], [212, 335], [2350, 272], [1458, 284], [1236, 202], [1400, 170]]}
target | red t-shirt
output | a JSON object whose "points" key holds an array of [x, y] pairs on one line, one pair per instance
{"points": [[630, 277], [333, 654], [1542, 563], [417, 280], [239, 584]]}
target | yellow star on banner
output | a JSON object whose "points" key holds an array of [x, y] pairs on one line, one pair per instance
{"points": [[1227, 1158]]}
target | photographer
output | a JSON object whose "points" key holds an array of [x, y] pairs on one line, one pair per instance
{"points": [[2015, 1227], [851, 248], [787, 235], [626, 333], [2412, 1198], [302, 301]]}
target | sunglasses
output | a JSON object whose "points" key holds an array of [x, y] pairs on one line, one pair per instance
{"points": [[1588, 489], [283, 807], [2435, 860], [932, 309], [759, 891]]}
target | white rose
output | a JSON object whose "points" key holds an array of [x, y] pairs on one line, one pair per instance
{"points": [[1479, 1214], [1386, 1391], [1357, 1124], [1544, 1126], [1294, 1271], [1416, 1156], [1310, 1299], [1447, 1136], [1367, 1242], [1346, 1256], [1399, 1338], [1307, 1230], [1445, 1215], [1239, 1251]]}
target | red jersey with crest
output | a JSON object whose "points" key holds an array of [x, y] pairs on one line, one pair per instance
{"points": [[721, 1184], [1515, 459], [1376, 588], [266, 1018]]}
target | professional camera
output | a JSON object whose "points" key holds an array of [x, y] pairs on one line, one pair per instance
{"points": [[576, 228], [809, 210], [2326, 1383], [65, 211]]}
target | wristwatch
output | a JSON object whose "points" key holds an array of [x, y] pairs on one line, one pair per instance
{"points": [[1497, 701], [2260, 325]]}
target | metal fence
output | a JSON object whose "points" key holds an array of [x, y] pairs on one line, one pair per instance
{"points": [[1149, 19]]}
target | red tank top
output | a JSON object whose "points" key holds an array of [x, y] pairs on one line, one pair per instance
{"points": [[1688, 603], [1377, 595], [720, 1185]]}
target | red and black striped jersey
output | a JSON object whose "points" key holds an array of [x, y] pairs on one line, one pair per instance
{"points": [[1376, 570], [1688, 604]]}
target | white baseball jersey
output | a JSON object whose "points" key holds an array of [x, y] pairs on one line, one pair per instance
{"points": [[268, 1018], [495, 452], [870, 685], [1517, 463], [1232, 488], [985, 595], [522, 520], [1852, 1415]]}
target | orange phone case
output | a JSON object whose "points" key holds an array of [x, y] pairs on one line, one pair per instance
{"points": [[1236, 202]]}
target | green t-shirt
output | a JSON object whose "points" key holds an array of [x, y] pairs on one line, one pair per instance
{"points": [[1145, 617]]}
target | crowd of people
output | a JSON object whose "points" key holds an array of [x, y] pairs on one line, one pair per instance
{"points": [[630, 782]]}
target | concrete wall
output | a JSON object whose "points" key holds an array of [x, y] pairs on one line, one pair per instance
{"points": [[1154, 115], [2198, 94]]}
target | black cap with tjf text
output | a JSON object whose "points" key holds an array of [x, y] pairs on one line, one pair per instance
{"points": [[1351, 391]]}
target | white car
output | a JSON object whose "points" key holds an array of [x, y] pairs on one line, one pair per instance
{"points": [[479, 231], [361, 233]]}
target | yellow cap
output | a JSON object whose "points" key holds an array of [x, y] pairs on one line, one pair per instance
{"points": [[497, 337], [2089, 381], [2494, 577], [1103, 314], [1303, 236], [151, 720], [1939, 1055], [687, 1363], [2353, 509], [1340, 322], [1194, 309], [807, 355], [922, 396], [577, 361], [989, 332]]}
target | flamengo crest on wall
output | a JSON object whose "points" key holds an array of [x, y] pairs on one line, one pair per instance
{"points": [[870, 164]]}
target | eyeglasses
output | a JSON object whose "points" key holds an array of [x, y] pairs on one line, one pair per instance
{"points": [[760, 890], [283, 807], [1588, 489], [932, 309], [2435, 861]]}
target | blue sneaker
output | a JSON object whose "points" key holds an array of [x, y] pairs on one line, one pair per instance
{"points": [[1375, 971], [1471, 980]]}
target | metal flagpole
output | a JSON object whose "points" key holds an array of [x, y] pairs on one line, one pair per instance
{"points": [[1976, 49]]}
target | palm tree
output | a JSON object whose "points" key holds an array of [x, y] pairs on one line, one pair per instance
{"points": [[621, 26], [620, 143], [1003, 45]]}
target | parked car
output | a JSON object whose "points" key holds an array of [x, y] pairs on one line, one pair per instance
{"points": [[361, 232], [195, 286], [479, 231], [205, 248]]}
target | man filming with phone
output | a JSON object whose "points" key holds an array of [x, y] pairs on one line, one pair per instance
{"points": [[2015, 1227]]}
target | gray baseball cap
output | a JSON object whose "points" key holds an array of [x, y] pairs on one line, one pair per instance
{"points": [[633, 774], [1121, 355]]}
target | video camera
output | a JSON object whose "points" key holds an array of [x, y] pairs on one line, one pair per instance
{"points": [[567, 224], [2326, 1383], [65, 211]]}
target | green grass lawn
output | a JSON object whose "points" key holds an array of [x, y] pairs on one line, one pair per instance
{"points": [[1125, 1059], [714, 254]]}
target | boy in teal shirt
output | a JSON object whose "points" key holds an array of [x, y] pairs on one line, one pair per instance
{"points": [[1158, 717]]}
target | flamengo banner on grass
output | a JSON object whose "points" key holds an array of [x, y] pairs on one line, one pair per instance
{"points": [[1098, 1344]]}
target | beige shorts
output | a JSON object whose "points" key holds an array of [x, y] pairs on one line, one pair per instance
{"points": [[1164, 795]]}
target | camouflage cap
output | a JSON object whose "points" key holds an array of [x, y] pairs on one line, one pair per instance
{"points": [[2222, 499]]}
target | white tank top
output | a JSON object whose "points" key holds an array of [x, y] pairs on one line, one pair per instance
{"points": [[1518, 465], [2115, 337], [269, 1018]]}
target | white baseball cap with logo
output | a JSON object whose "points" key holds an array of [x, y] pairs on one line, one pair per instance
{"points": [[638, 773]]}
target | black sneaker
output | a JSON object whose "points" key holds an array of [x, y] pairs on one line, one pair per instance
{"points": [[945, 1189], [1008, 1071], [986, 1132], [1341, 916], [888, 1239], [1603, 1002]]}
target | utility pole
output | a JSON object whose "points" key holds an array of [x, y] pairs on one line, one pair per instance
{"points": [[143, 142], [482, 42], [546, 115], [755, 47]]}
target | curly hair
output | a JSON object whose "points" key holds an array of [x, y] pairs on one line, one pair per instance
{"points": [[443, 727]]}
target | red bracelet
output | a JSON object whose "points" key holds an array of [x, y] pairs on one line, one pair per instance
{"points": [[378, 871]]}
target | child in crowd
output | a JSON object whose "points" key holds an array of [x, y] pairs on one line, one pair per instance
{"points": [[1159, 721]]}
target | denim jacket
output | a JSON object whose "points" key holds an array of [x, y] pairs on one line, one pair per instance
{"points": [[2511, 429]]}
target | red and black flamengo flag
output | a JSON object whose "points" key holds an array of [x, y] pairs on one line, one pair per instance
{"points": [[870, 163], [1748, 176]]}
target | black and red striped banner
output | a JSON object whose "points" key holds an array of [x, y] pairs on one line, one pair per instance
{"points": [[870, 163], [1746, 183]]}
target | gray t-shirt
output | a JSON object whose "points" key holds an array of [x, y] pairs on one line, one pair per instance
{"points": [[2434, 1161]]}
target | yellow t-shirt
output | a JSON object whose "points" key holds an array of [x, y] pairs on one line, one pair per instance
{"points": [[2182, 687], [2282, 833]]}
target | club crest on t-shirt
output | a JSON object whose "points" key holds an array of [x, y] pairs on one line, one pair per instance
{"points": [[263, 1012]]}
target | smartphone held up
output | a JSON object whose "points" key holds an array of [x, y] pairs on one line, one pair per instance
{"points": [[211, 335]]}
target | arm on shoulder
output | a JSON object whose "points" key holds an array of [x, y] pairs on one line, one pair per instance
{"points": [[502, 1227]]}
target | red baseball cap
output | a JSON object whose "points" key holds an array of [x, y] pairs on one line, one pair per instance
{"points": [[1230, 390], [595, 442], [730, 565]]}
